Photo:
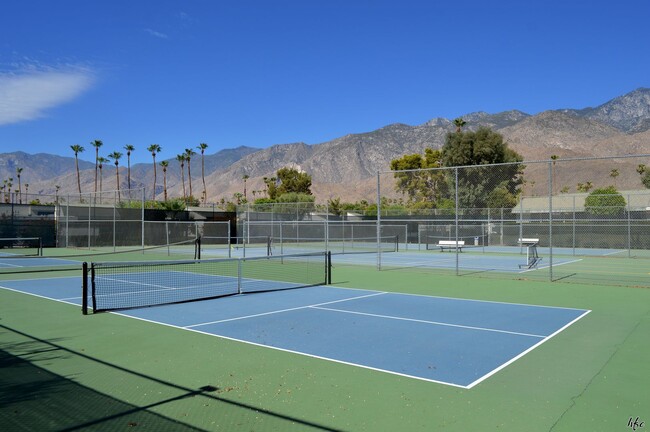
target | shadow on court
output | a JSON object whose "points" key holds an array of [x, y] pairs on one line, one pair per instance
{"points": [[32, 398]]}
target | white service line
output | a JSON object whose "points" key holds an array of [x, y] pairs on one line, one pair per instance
{"points": [[282, 310], [431, 322]]}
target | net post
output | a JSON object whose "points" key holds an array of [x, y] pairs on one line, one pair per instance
{"points": [[84, 288], [197, 248], [328, 268], [40, 246], [92, 284]]}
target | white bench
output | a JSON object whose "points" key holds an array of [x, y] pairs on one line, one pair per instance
{"points": [[451, 244]]}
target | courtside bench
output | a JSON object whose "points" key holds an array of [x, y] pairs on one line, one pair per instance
{"points": [[451, 244]]}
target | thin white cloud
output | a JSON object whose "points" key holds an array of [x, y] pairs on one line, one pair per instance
{"points": [[26, 95], [156, 33]]}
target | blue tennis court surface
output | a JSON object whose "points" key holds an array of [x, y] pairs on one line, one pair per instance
{"points": [[10, 261], [467, 260], [444, 340]]}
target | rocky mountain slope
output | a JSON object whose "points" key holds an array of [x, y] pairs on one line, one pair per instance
{"points": [[346, 167]]}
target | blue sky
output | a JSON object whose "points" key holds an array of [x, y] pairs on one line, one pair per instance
{"points": [[258, 73]]}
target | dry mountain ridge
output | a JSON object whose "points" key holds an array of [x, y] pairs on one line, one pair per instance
{"points": [[346, 166]]}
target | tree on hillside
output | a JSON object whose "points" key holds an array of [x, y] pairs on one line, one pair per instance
{"points": [[459, 123], [76, 148], [293, 180], [154, 149], [480, 186], [202, 147], [97, 144], [129, 148], [605, 201], [645, 175], [614, 173]]}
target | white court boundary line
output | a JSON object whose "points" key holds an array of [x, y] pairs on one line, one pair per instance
{"points": [[554, 265], [512, 360], [283, 310], [438, 323]]}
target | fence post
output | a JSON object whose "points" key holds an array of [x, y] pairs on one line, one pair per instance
{"points": [[378, 222], [629, 228], [456, 217], [142, 217], [550, 219]]}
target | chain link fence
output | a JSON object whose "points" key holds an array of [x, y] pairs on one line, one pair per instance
{"points": [[590, 219]]}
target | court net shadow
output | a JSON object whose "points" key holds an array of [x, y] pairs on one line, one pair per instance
{"points": [[33, 398]]}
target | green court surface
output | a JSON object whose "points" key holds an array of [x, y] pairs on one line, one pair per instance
{"points": [[61, 370]]}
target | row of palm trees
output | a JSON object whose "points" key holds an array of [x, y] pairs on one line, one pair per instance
{"points": [[154, 149], [7, 184]]}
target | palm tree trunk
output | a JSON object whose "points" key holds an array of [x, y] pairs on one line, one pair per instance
{"points": [[101, 177], [189, 175], [183, 178], [128, 173], [205, 198], [154, 178], [165, 183], [76, 164], [117, 174]]}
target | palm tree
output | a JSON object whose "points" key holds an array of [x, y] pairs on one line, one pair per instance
{"points": [[459, 123], [554, 158], [641, 169], [245, 177], [164, 165], [10, 183], [129, 148], [76, 148], [101, 160], [613, 174], [20, 195], [181, 160], [26, 192], [153, 149], [188, 156], [116, 158], [97, 144], [202, 147], [57, 188]]}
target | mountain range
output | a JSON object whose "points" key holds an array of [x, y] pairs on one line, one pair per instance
{"points": [[618, 127]]}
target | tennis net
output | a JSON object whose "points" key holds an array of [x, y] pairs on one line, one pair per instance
{"points": [[126, 285], [20, 247]]}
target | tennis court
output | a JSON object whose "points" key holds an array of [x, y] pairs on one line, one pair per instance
{"points": [[448, 341], [273, 346]]}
